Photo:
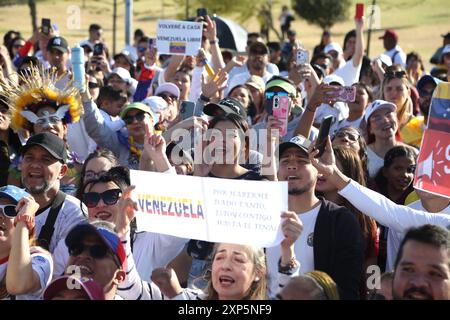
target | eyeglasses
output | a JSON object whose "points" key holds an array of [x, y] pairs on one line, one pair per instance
{"points": [[96, 251], [269, 94], [395, 74], [168, 96], [353, 137], [140, 116], [93, 85], [91, 175], [109, 197], [9, 210]]}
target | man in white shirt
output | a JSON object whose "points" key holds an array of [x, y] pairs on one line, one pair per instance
{"points": [[393, 50]]}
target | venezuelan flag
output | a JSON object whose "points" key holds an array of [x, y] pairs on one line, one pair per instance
{"points": [[440, 108], [177, 47]]}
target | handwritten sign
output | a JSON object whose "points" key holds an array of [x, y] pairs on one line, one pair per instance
{"points": [[433, 164], [179, 37], [210, 209]]}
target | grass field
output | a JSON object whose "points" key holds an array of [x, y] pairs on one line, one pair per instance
{"points": [[419, 23]]}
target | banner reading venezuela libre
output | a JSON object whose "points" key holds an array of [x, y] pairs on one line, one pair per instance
{"points": [[433, 165], [210, 209]]}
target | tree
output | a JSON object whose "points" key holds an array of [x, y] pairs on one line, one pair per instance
{"points": [[324, 13], [243, 9]]}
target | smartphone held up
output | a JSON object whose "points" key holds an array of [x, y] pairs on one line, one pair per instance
{"points": [[280, 110], [324, 132], [344, 94]]}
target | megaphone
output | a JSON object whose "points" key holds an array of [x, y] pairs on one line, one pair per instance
{"points": [[425, 168]]}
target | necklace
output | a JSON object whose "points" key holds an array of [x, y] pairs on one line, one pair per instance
{"points": [[133, 147]]}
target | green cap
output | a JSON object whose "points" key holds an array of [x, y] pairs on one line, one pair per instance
{"points": [[286, 86], [138, 106]]}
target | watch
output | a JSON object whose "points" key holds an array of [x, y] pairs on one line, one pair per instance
{"points": [[204, 98]]}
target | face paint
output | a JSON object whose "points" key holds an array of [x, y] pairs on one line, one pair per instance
{"points": [[47, 119]]}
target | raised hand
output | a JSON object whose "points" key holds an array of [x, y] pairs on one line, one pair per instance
{"points": [[291, 227], [214, 86], [127, 212]]}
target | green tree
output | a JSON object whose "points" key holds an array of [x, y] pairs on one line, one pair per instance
{"points": [[241, 10], [324, 13]]}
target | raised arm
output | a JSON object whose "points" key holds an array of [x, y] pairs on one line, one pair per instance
{"points": [[359, 47]]}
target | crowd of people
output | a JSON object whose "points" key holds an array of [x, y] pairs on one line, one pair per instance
{"points": [[67, 216]]}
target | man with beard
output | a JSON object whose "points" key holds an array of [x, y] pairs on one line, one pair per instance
{"points": [[256, 65], [43, 166], [331, 240], [422, 269]]}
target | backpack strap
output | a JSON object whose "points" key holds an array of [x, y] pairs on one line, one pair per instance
{"points": [[49, 227]]}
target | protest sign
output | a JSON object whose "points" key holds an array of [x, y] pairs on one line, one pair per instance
{"points": [[179, 37], [210, 209], [433, 165]]}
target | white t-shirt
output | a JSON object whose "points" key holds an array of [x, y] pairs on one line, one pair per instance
{"points": [[42, 264], [400, 57], [349, 73], [79, 141], [69, 216], [303, 247], [395, 237], [374, 162], [242, 78]]}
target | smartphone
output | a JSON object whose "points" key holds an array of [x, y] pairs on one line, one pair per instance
{"points": [[302, 57], [187, 109], [324, 131], [280, 110], [98, 49], [359, 11], [345, 94], [202, 12], [46, 25]]}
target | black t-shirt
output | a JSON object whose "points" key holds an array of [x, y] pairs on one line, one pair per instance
{"points": [[202, 250]]}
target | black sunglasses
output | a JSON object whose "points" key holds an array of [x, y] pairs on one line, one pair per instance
{"points": [[93, 85], [167, 96], [395, 74], [9, 210], [109, 197], [96, 251], [138, 116]]}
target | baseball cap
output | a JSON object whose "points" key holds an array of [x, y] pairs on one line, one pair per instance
{"points": [[229, 105], [283, 84], [296, 141], [138, 106], [446, 49], [258, 48], [105, 232], [13, 193], [58, 43], [385, 59], [123, 73], [334, 78], [446, 36], [425, 79], [126, 55], [155, 103], [376, 105], [168, 87], [333, 46], [389, 33], [50, 142], [256, 82], [93, 289]]}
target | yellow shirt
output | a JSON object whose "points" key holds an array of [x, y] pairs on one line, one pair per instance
{"points": [[412, 132]]}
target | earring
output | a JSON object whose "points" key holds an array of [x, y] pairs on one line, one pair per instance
{"points": [[257, 279]]}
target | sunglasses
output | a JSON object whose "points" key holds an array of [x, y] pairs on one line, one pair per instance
{"points": [[96, 251], [142, 49], [269, 94], [140, 116], [353, 137], [9, 210], [109, 197], [93, 85], [395, 74]]}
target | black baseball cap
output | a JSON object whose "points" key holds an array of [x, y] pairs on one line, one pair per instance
{"points": [[50, 142], [229, 105], [297, 141], [446, 36], [58, 43]]}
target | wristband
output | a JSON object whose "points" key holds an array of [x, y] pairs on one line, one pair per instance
{"points": [[29, 221], [289, 268], [213, 41], [204, 98]]}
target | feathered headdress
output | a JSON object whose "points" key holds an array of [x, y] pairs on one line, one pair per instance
{"points": [[38, 89]]}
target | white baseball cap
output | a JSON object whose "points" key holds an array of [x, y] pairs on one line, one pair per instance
{"points": [[168, 87], [334, 78], [124, 74], [155, 103], [376, 105], [333, 46]]}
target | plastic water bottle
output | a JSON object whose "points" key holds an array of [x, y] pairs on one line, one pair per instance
{"points": [[78, 68]]}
